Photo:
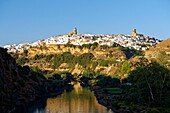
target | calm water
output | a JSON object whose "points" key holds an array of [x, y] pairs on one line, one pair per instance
{"points": [[79, 100]]}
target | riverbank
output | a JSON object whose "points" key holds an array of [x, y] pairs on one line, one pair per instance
{"points": [[109, 100], [109, 97]]}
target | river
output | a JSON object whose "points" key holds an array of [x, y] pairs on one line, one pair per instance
{"points": [[79, 100]]}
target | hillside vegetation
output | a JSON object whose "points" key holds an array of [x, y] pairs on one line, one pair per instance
{"points": [[161, 47], [85, 59]]}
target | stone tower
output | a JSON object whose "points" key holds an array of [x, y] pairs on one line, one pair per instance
{"points": [[134, 32], [75, 31]]}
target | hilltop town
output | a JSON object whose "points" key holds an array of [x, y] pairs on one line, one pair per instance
{"points": [[133, 41]]}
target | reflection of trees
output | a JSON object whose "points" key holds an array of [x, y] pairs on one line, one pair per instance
{"points": [[77, 87], [38, 106], [82, 101]]}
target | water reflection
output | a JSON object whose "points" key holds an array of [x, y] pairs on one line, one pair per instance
{"points": [[80, 100]]}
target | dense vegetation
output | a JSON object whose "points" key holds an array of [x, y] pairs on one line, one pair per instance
{"points": [[20, 86], [87, 61], [142, 86], [146, 88], [150, 86]]}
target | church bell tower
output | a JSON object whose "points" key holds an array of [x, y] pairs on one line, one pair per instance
{"points": [[75, 31]]}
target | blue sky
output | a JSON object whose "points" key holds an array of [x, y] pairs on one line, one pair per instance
{"points": [[24, 21]]}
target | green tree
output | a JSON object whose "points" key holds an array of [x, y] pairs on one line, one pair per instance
{"points": [[22, 60], [25, 52], [84, 59], [120, 47], [54, 65], [107, 81], [49, 57], [95, 44], [150, 83], [162, 58], [125, 68]]}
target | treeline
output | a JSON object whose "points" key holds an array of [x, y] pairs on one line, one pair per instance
{"points": [[93, 46]]}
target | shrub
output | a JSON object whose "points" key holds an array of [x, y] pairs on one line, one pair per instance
{"points": [[38, 57], [106, 63], [22, 60], [84, 59]]}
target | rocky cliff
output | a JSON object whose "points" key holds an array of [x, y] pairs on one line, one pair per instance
{"points": [[104, 60], [98, 52]]}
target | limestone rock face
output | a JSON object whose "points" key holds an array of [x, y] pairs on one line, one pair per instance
{"points": [[77, 70], [113, 53], [110, 70], [63, 67], [55, 49]]}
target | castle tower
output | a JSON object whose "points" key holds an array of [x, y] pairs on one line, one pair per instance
{"points": [[75, 31], [134, 32]]}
